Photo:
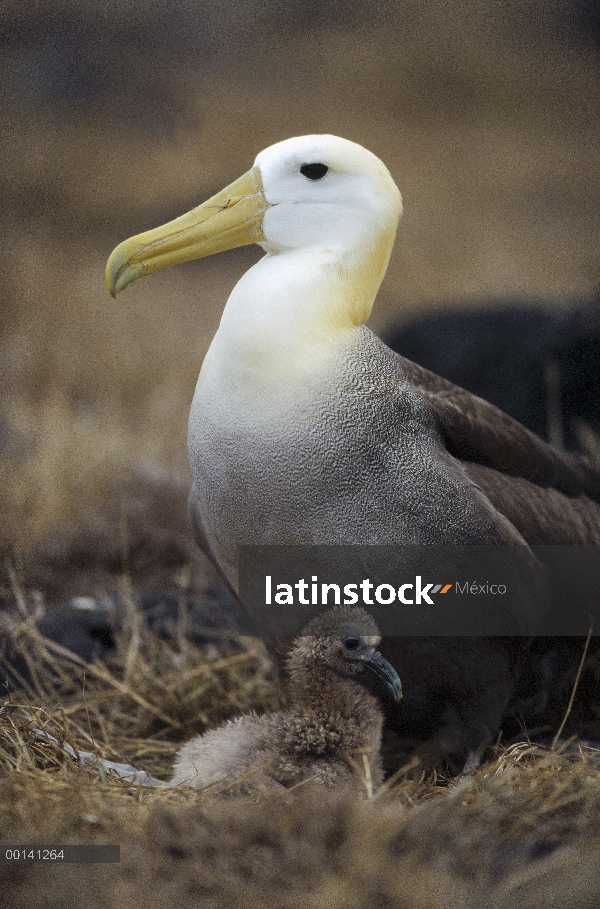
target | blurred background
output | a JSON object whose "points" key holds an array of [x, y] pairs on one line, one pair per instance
{"points": [[118, 116]]}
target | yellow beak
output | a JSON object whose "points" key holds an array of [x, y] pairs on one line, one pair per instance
{"points": [[231, 218]]}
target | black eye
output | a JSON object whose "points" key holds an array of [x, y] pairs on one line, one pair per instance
{"points": [[314, 171], [351, 643]]}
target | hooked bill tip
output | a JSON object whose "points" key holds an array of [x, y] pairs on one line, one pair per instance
{"points": [[120, 271]]}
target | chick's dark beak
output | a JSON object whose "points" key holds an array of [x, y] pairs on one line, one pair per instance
{"points": [[385, 674]]}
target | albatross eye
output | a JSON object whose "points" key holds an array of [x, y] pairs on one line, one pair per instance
{"points": [[314, 171], [351, 643]]}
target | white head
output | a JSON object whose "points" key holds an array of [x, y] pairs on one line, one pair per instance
{"points": [[323, 191]]}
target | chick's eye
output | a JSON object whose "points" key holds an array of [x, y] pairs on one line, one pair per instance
{"points": [[351, 643], [314, 171]]}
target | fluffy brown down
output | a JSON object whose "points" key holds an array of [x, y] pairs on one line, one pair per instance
{"points": [[331, 730]]}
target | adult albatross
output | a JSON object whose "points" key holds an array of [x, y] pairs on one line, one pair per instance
{"points": [[306, 428]]}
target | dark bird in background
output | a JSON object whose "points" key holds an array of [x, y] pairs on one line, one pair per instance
{"points": [[539, 363], [331, 729]]}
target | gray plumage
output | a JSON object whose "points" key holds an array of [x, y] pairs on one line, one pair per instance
{"points": [[333, 718], [383, 452]]}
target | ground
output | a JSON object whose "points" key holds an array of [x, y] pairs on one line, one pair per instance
{"points": [[520, 830]]}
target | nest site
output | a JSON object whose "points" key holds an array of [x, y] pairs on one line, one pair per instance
{"points": [[523, 822]]}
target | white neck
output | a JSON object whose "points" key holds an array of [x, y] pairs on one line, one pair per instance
{"points": [[290, 311]]}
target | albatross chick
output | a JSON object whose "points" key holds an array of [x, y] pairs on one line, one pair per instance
{"points": [[332, 727]]}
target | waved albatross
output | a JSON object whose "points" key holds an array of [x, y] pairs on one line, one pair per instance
{"points": [[306, 428], [333, 721]]}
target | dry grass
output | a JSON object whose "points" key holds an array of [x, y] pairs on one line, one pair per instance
{"points": [[511, 832], [519, 828], [151, 693], [516, 832]]}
